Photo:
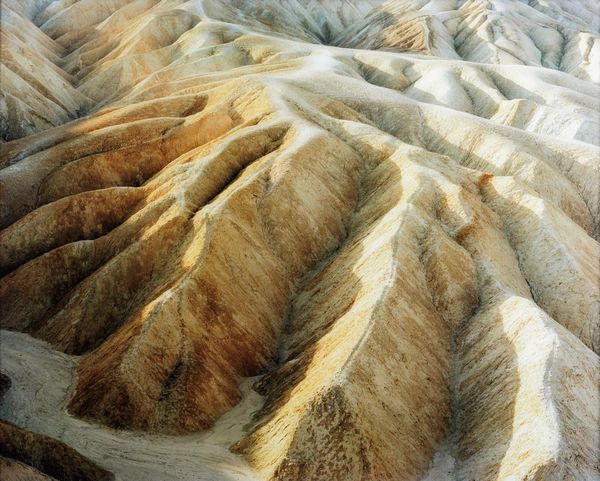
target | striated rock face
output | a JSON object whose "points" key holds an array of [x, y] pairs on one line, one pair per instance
{"points": [[389, 211]]}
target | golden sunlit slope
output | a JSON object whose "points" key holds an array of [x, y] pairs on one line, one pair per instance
{"points": [[389, 211]]}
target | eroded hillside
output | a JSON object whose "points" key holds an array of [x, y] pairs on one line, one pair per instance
{"points": [[322, 240]]}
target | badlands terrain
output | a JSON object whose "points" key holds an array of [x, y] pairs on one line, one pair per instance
{"points": [[300, 240]]}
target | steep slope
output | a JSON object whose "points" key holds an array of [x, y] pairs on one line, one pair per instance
{"points": [[389, 211]]}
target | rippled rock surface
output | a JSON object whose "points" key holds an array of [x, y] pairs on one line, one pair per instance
{"points": [[303, 241]]}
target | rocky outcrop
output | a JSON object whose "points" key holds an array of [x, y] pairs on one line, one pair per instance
{"points": [[388, 211], [27, 455]]}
